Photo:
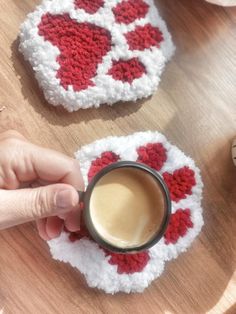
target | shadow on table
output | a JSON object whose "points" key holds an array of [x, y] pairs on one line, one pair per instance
{"points": [[58, 115]]}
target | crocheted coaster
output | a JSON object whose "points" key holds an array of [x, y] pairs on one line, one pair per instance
{"points": [[89, 52], [134, 272]]}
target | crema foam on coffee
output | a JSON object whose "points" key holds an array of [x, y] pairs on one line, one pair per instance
{"points": [[127, 207]]}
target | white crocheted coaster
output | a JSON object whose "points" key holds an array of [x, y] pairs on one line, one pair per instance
{"points": [[86, 53], [133, 273]]}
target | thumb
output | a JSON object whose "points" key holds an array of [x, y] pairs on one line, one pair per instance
{"points": [[19, 206]]}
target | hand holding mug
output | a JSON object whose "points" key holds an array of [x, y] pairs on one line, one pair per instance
{"points": [[39, 184]]}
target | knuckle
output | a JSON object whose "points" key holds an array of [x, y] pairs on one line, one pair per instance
{"points": [[42, 204], [75, 165], [12, 134], [10, 141]]}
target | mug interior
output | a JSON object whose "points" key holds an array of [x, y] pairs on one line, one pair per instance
{"points": [[94, 228]]}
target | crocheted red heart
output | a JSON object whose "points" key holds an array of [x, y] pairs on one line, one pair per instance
{"points": [[127, 71], [153, 155], [144, 37], [128, 263], [180, 183], [128, 11], [178, 226], [99, 163], [89, 6]]}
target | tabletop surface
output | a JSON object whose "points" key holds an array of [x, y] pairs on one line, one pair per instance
{"points": [[195, 107]]}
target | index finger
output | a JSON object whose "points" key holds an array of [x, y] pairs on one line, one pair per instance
{"points": [[46, 164], [56, 167]]}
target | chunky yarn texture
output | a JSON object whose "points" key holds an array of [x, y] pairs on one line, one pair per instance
{"points": [[113, 272], [86, 53]]}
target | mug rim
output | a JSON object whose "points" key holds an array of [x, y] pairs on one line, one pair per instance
{"points": [[87, 215]]}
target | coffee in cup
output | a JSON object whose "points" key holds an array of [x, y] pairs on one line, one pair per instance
{"points": [[127, 207]]}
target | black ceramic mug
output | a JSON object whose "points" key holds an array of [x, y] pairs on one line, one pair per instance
{"points": [[127, 207]]}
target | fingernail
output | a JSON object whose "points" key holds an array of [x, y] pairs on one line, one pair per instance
{"points": [[65, 199]]}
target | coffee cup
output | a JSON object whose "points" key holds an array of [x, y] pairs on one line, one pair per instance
{"points": [[127, 207]]}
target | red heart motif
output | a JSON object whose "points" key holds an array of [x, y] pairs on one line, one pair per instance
{"points": [[178, 226], [153, 155], [144, 37], [128, 263], [180, 183], [89, 6], [99, 163], [128, 11], [127, 71]]}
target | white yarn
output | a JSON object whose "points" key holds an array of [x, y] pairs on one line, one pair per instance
{"points": [[87, 257], [42, 56]]}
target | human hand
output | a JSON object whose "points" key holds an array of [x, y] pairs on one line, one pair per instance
{"points": [[54, 179]]}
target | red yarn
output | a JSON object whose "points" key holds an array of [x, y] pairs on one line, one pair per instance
{"points": [[144, 37], [128, 11], [178, 226], [128, 263], [90, 6], [82, 47], [180, 183], [153, 155], [98, 164], [77, 235], [127, 71]]}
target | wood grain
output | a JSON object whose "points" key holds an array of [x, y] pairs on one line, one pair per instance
{"points": [[195, 107]]}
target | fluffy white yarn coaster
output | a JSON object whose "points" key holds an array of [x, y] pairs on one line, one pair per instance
{"points": [[86, 53], [133, 273]]}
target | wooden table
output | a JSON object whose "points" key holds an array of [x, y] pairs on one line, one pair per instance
{"points": [[195, 107]]}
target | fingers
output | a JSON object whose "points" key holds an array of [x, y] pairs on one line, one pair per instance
{"points": [[72, 221], [19, 206], [51, 227], [54, 226], [53, 166], [41, 226], [23, 161], [11, 134]]}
